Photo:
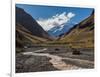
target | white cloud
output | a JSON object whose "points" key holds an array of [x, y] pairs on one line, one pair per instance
{"points": [[70, 15], [57, 20]]}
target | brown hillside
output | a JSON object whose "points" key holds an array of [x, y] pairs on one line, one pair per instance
{"points": [[81, 35]]}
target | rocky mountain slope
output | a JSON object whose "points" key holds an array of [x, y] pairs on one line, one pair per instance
{"points": [[28, 31], [24, 37], [30, 24], [82, 34]]}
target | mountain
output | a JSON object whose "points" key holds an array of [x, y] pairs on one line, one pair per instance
{"points": [[58, 30], [25, 37], [82, 34], [28, 31], [30, 24]]}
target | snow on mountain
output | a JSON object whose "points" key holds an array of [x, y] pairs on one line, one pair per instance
{"points": [[57, 30], [57, 20]]}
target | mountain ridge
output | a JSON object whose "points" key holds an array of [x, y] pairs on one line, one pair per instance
{"points": [[29, 23], [58, 30], [82, 33]]}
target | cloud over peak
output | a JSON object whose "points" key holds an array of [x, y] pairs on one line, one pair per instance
{"points": [[57, 20]]}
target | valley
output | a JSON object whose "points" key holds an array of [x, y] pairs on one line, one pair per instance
{"points": [[49, 59], [37, 50]]}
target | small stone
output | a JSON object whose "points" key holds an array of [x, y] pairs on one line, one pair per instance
{"points": [[75, 52]]}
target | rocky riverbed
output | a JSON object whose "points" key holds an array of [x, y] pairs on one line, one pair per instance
{"points": [[48, 59]]}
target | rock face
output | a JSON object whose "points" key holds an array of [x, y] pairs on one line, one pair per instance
{"points": [[30, 24]]}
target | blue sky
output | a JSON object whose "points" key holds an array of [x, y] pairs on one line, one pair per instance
{"points": [[51, 12]]}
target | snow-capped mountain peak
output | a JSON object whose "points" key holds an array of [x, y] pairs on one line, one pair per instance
{"points": [[57, 30]]}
